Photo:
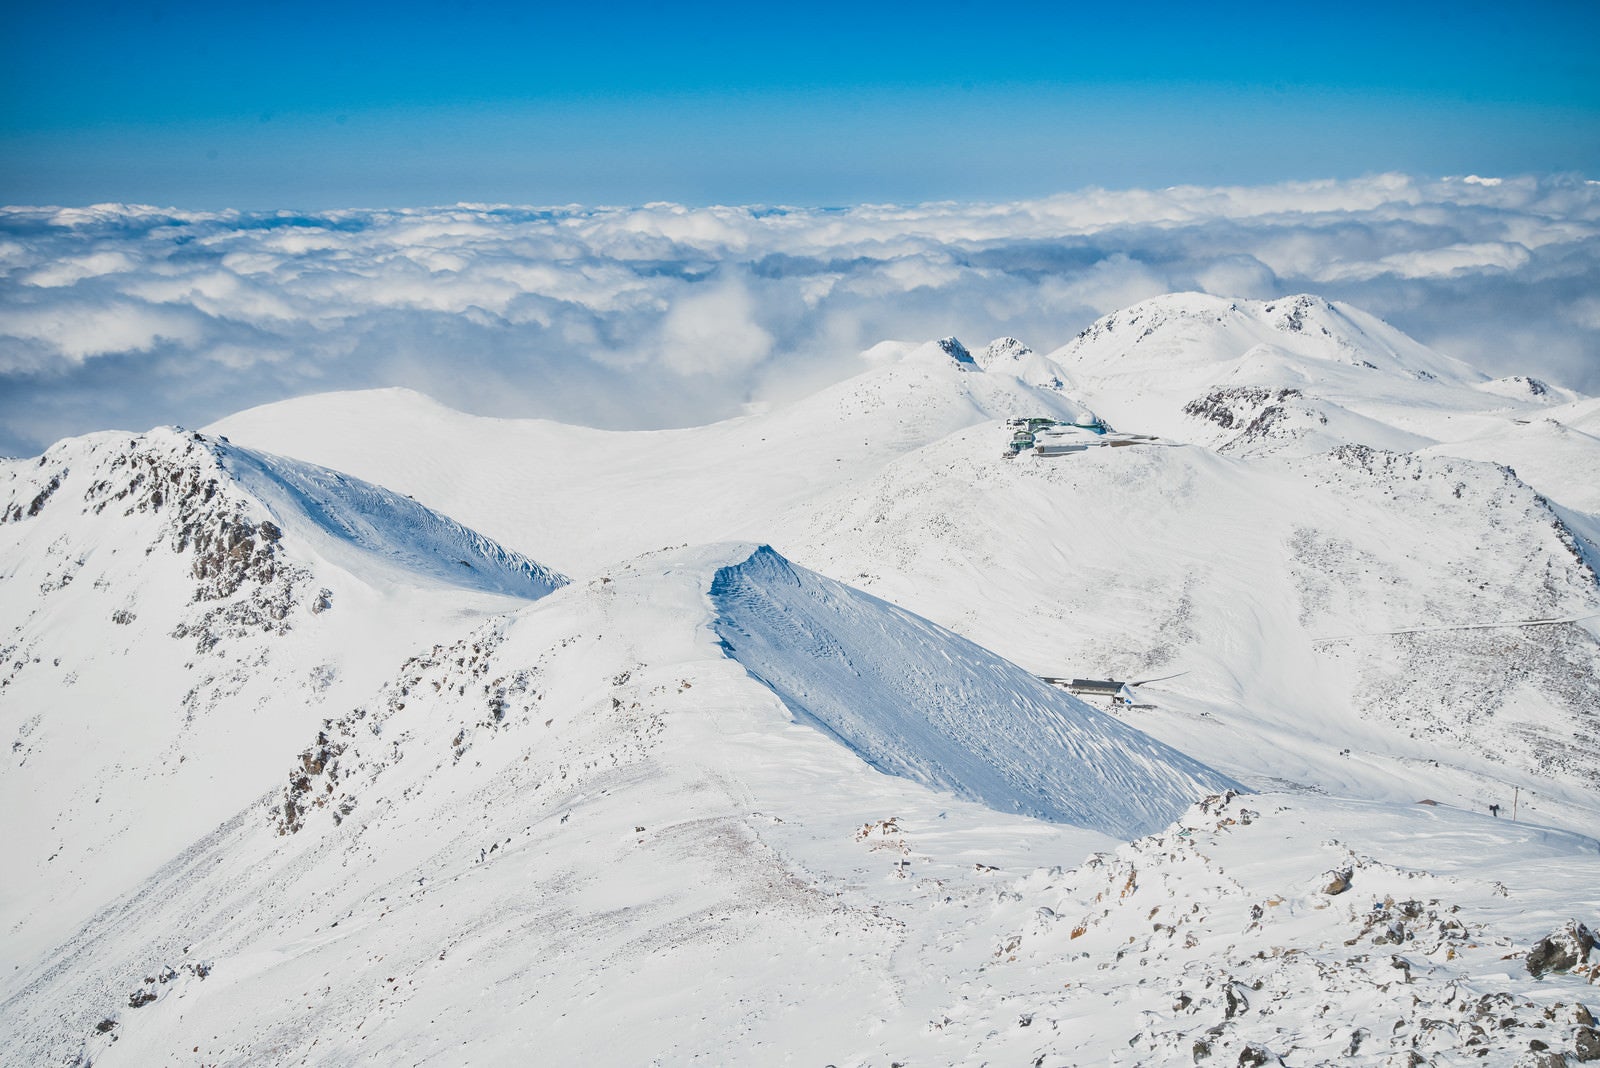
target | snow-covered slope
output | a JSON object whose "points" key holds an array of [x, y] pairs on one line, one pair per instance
{"points": [[531, 833], [1271, 592], [1284, 930], [303, 782], [1233, 567], [581, 498], [176, 614], [915, 700], [585, 797], [1556, 451], [360, 525], [1296, 375]]}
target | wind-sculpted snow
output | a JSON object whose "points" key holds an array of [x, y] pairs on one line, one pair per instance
{"points": [[914, 700], [345, 513]]}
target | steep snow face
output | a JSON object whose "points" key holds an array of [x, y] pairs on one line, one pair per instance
{"points": [[913, 699], [360, 525], [175, 615]]}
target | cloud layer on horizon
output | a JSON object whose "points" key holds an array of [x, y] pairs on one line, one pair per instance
{"points": [[125, 316]]}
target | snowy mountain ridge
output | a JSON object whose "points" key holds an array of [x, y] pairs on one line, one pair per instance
{"points": [[891, 481], [865, 672], [176, 606], [321, 766], [1306, 326]]}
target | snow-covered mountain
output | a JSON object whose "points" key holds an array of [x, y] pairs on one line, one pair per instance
{"points": [[537, 827], [644, 489], [178, 613], [916, 701], [315, 773], [1269, 579], [1297, 375]]}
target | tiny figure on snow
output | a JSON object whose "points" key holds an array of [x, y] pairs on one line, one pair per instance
{"points": [[1494, 810]]}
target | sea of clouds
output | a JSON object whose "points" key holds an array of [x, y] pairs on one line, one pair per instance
{"points": [[129, 316]]}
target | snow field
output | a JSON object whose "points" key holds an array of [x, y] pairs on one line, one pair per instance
{"points": [[305, 788]]}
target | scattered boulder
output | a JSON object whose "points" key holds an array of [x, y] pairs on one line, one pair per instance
{"points": [[1586, 1044], [1338, 881], [1561, 950], [1545, 1058]]}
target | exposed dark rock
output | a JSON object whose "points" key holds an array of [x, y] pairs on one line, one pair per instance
{"points": [[1586, 1044], [1561, 950], [1543, 1059], [44, 496]]}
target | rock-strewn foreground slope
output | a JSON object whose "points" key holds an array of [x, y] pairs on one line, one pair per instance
{"points": [[532, 833], [311, 773]]}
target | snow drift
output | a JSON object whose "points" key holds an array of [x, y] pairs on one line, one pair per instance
{"points": [[915, 700]]}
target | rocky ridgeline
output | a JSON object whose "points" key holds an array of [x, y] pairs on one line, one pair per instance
{"points": [[462, 704], [1216, 953], [317, 781], [242, 581], [1254, 419]]}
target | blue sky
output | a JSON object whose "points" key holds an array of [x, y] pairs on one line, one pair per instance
{"points": [[320, 105]]}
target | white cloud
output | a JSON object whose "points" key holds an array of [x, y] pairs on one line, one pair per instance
{"points": [[65, 272], [78, 331], [665, 314], [1434, 262], [713, 332]]}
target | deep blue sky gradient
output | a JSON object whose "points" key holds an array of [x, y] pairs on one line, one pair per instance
{"points": [[316, 105]]}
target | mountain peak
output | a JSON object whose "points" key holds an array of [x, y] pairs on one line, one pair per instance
{"points": [[1197, 329], [232, 507], [1003, 350], [954, 349]]}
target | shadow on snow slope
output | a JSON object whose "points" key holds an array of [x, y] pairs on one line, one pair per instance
{"points": [[915, 700], [344, 513]]}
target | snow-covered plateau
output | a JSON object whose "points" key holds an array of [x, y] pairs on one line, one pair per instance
{"points": [[354, 729]]}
